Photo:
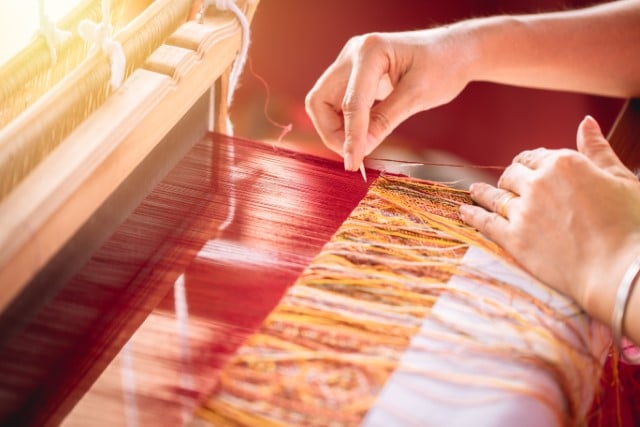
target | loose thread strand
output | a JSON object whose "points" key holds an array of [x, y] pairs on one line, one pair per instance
{"points": [[438, 164], [285, 129]]}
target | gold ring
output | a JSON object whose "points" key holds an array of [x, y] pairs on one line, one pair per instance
{"points": [[503, 201]]}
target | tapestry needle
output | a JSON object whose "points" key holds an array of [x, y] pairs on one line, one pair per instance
{"points": [[363, 172]]}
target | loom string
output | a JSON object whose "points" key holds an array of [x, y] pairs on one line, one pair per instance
{"points": [[53, 35], [234, 77], [181, 309], [128, 379], [101, 34], [241, 59], [26, 143], [412, 163], [285, 129], [31, 72]]}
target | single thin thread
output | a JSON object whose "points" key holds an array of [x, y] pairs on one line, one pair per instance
{"points": [[182, 324], [616, 380], [438, 164], [285, 129], [128, 376], [231, 212]]}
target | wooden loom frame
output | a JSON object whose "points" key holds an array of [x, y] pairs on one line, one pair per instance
{"points": [[173, 79], [44, 211], [625, 134]]}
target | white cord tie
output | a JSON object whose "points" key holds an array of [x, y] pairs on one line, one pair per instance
{"points": [[241, 60], [101, 35], [51, 33]]}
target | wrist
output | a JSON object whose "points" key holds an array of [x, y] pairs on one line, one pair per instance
{"points": [[495, 45], [623, 299], [597, 293]]}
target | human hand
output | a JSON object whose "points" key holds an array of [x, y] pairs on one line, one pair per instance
{"points": [[575, 221], [378, 81]]}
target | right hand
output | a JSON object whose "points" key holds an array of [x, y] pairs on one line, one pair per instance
{"points": [[406, 72]]}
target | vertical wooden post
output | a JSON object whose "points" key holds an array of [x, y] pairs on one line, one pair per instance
{"points": [[625, 134]]}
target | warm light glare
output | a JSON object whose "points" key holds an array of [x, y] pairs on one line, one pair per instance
{"points": [[19, 22]]}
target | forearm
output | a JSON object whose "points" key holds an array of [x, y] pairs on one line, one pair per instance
{"points": [[593, 50]]}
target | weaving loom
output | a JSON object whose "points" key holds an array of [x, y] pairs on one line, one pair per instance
{"points": [[148, 265]]}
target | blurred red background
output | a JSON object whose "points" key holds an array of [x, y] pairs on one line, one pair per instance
{"points": [[293, 41]]}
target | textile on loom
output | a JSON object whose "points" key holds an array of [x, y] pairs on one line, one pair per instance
{"points": [[409, 317], [173, 360], [68, 354], [232, 277]]}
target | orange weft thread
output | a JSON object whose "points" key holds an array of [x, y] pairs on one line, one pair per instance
{"points": [[325, 353]]}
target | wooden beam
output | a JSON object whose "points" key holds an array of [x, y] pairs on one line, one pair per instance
{"points": [[625, 134], [61, 194]]}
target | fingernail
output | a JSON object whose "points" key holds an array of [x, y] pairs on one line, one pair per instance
{"points": [[348, 162], [363, 172], [590, 121]]}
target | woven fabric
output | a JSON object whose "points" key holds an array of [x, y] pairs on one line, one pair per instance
{"points": [[405, 291]]}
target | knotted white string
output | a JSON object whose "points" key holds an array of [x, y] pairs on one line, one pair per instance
{"points": [[101, 35], [241, 60], [234, 77], [51, 33]]}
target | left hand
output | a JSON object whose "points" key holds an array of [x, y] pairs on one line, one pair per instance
{"points": [[575, 221]]}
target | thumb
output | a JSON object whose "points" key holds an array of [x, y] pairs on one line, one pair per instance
{"points": [[390, 112], [594, 145]]}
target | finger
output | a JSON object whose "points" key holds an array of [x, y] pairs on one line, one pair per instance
{"points": [[515, 178], [389, 113], [490, 224], [329, 125], [533, 159], [367, 72], [594, 145], [385, 87], [493, 199], [323, 104]]}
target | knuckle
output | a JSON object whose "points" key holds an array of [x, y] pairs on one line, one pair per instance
{"points": [[311, 100], [353, 102], [379, 124], [347, 146], [487, 224], [371, 42], [363, 45], [353, 44], [565, 158], [504, 177], [537, 186]]}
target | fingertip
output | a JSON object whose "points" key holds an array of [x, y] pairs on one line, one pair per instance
{"points": [[477, 189], [591, 124], [589, 135], [464, 211], [353, 152], [348, 161], [588, 127], [471, 215]]}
